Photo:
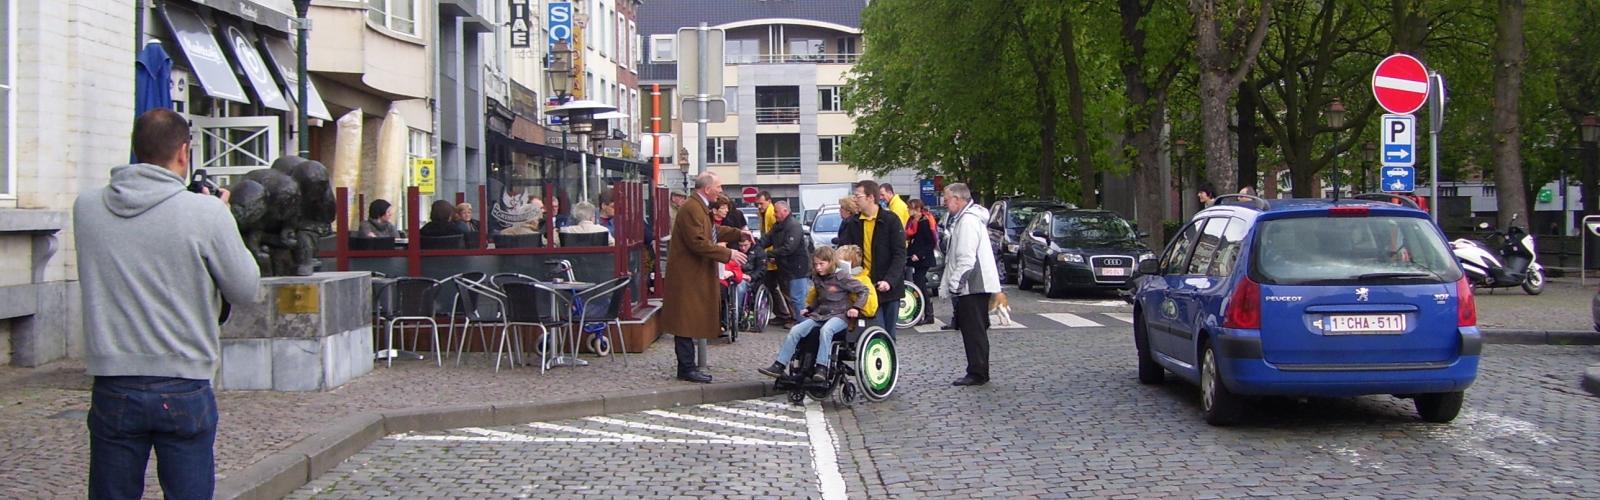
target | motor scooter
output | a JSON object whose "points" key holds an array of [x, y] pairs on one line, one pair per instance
{"points": [[1514, 264]]}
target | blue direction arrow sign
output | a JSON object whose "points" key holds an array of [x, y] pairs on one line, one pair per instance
{"points": [[1398, 179], [1399, 140]]}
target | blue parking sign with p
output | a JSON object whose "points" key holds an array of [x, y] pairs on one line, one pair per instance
{"points": [[1399, 140]]}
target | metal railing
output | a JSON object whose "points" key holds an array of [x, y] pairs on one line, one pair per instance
{"points": [[778, 115], [778, 166], [850, 58]]}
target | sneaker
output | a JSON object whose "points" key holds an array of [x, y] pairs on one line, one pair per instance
{"points": [[820, 374], [774, 371]]}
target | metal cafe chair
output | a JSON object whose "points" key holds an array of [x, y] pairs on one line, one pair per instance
{"points": [[466, 307], [411, 299], [532, 303], [602, 304], [445, 242]]}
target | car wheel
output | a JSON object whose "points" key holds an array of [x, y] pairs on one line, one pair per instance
{"points": [[1011, 274], [1150, 373], [1051, 288], [1534, 284], [1218, 405], [1439, 407], [1023, 283]]}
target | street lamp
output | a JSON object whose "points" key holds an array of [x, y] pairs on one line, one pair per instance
{"points": [[1179, 148], [1590, 128], [302, 32], [1369, 153], [1335, 122]]}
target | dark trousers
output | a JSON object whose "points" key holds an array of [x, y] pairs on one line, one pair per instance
{"points": [[972, 317], [130, 415], [919, 277], [684, 347], [777, 289]]}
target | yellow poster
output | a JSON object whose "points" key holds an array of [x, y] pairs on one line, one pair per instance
{"points": [[422, 173]]}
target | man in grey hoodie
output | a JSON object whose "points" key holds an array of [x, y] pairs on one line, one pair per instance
{"points": [[152, 257], [970, 275]]}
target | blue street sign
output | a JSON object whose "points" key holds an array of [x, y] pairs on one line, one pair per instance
{"points": [[1398, 179], [559, 16], [930, 197], [1399, 140]]}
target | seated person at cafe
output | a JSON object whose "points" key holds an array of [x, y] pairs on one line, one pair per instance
{"points": [[464, 215], [380, 221], [441, 221], [534, 223], [608, 209], [583, 223]]}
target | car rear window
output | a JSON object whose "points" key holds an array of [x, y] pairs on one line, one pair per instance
{"points": [[1351, 250]]}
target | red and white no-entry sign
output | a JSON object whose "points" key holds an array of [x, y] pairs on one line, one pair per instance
{"points": [[750, 193], [1400, 83]]}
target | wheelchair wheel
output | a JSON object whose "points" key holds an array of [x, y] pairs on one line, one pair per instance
{"points": [[910, 312], [876, 366], [760, 310], [848, 393]]}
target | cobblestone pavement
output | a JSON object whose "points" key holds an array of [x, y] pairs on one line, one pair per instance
{"points": [[1066, 417], [745, 449]]}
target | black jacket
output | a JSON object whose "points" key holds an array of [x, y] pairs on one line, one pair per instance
{"points": [[922, 244], [788, 244], [888, 250]]}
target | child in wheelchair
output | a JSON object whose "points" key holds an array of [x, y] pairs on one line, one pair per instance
{"points": [[840, 289]]}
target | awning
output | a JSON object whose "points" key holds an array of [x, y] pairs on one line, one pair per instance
{"points": [[255, 69], [284, 62], [205, 56], [253, 12]]}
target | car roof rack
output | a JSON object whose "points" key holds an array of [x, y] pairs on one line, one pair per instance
{"points": [[1260, 204], [1388, 198]]}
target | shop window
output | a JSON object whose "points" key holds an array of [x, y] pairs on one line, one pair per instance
{"points": [[397, 15]]}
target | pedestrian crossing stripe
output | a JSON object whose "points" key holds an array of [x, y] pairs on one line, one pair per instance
{"points": [[1071, 320], [1123, 317]]}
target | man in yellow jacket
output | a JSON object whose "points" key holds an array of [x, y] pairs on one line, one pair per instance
{"points": [[769, 217], [895, 204]]}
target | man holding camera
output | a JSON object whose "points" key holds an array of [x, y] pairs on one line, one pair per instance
{"points": [[152, 260]]}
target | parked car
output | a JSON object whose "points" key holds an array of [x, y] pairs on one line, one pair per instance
{"points": [[1307, 297], [1594, 310], [1006, 219], [1066, 249], [826, 227], [752, 221]]}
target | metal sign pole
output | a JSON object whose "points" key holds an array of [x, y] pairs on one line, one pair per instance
{"points": [[1435, 124], [702, 95]]}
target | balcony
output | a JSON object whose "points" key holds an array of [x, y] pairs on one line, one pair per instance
{"points": [[851, 58], [784, 165], [780, 115]]}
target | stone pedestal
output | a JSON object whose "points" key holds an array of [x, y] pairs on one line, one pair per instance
{"points": [[310, 333]]}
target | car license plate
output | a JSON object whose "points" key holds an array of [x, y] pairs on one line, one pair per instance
{"points": [[1366, 323], [1113, 271]]}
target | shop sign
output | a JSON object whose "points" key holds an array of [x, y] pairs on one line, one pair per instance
{"points": [[560, 25], [524, 102], [521, 31], [423, 174]]}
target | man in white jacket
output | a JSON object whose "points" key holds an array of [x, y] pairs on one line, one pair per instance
{"points": [[971, 277]]}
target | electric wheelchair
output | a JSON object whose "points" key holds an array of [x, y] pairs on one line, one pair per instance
{"points": [[863, 364]]}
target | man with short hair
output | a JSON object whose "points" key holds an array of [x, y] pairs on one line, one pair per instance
{"points": [[882, 238], [380, 221], [153, 258], [896, 205], [608, 210], [689, 308], [789, 257], [1206, 194], [768, 216], [971, 277]]}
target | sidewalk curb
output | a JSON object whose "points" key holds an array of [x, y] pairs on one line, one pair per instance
{"points": [[280, 473], [1541, 337], [1591, 380]]}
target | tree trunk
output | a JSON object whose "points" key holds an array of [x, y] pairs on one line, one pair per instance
{"points": [[1220, 75], [1083, 153], [1510, 55], [1249, 138], [1147, 102]]}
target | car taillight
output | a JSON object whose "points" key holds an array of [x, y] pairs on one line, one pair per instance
{"points": [[1466, 305], [1357, 211], [1244, 307]]}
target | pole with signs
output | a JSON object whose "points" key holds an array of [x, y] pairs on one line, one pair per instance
{"points": [[1435, 124]]}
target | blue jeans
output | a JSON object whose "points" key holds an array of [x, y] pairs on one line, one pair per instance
{"points": [[888, 314], [824, 345], [798, 288], [130, 415]]}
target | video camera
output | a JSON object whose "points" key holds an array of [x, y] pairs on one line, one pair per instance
{"points": [[199, 182]]}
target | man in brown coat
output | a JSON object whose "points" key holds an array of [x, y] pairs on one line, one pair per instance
{"points": [[689, 307]]}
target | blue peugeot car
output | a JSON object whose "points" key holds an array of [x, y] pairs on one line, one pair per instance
{"points": [[1310, 298]]}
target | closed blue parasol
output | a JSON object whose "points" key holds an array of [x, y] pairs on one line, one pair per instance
{"points": [[152, 86]]}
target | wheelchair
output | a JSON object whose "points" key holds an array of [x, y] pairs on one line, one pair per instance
{"points": [[747, 312], [863, 365], [911, 307]]}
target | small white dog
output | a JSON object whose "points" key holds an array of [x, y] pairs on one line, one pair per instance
{"points": [[999, 306]]}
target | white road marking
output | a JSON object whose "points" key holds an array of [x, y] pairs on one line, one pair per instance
{"points": [[932, 327], [592, 432], [1096, 303], [1070, 320], [691, 432], [823, 456], [1473, 429], [729, 423], [492, 436], [775, 406], [753, 414], [1123, 317]]}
